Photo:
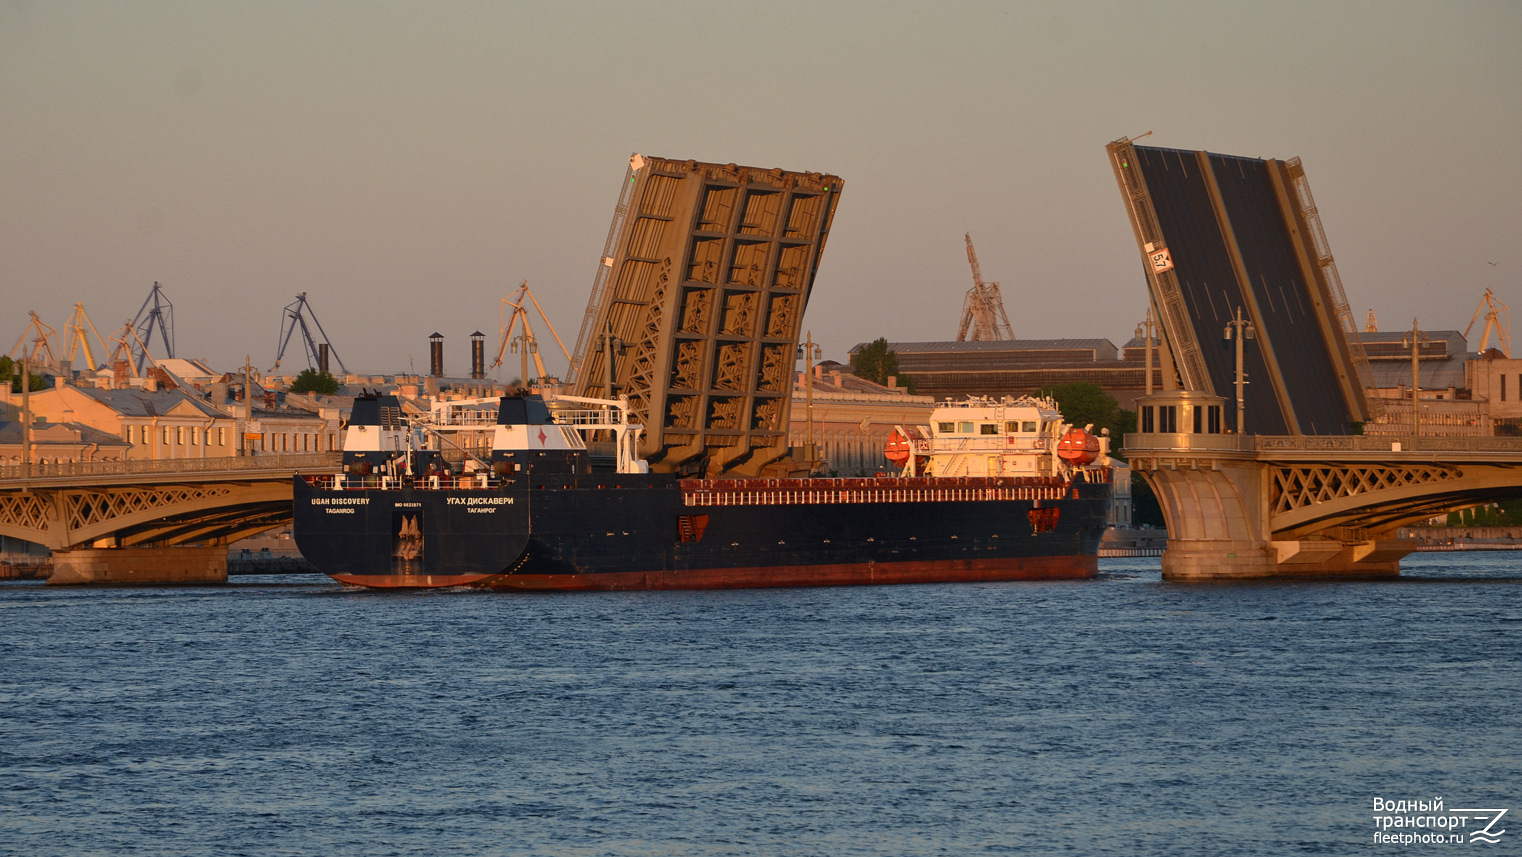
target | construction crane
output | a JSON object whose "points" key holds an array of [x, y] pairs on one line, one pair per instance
{"points": [[524, 344], [77, 331], [42, 336], [1495, 312], [147, 320], [295, 315], [983, 309]]}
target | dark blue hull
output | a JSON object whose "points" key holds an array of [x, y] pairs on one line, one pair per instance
{"points": [[604, 531]]}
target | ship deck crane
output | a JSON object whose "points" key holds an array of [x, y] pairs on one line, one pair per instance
{"points": [[983, 308], [295, 315], [147, 320], [1495, 312], [524, 344]]}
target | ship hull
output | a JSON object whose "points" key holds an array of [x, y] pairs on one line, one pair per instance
{"points": [[858, 574], [613, 532]]}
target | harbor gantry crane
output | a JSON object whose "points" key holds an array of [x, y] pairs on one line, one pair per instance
{"points": [[983, 309], [524, 343], [124, 345], [1497, 318], [77, 331], [42, 353], [295, 315], [161, 318]]}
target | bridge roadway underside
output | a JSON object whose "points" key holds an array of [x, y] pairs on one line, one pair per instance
{"points": [[150, 522], [1310, 507]]}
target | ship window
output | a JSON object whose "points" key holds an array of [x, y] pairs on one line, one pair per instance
{"points": [[946, 428], [1028, 426], [988, 428], [964, 428], [1011, 427]]}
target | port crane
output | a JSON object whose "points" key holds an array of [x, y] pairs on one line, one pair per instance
{"points": [[42, 336], [524, 344], [148, 320], [1495, 312], [124, 345], [295, 315], [983, 308], [77, 331]]}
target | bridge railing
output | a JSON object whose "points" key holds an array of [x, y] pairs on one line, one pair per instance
{"points": [[226, 464], [1386, 443], [1320, 443]]}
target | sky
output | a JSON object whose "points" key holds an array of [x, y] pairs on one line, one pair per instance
{"points": [[406, 165]]}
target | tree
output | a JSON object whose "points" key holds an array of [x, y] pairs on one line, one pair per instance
{"points": [[10, 374], [313, 381], [876, 362], [1084, 402]]}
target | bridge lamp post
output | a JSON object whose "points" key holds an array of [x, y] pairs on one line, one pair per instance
{"points": [[808, 352], [1239, 329], [1144, 332], [1414, 341]]}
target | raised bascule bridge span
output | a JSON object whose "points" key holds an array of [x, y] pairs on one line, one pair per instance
{"points": [[166, 521], [1253, 444]]}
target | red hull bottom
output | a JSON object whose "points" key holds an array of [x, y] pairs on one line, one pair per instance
{"points": [[411, 581], [867, 574]]}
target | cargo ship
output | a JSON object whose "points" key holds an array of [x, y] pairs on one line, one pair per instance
{"points": [[530, 493]]}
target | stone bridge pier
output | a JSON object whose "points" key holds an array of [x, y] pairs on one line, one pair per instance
{"points": [[1243, 507]]}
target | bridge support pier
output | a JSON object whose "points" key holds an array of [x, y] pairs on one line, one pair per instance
{"points": [[1304, 509], [139, 566]]}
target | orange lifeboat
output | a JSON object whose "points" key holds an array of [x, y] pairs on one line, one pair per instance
{"points": [[1078, 447], [897, 450]]}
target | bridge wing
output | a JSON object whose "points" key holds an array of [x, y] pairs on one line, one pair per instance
{"points": [[702, 289], [1220, 233]]}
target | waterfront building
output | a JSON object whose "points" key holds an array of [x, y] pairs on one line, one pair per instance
{"points": [[853, 419]]}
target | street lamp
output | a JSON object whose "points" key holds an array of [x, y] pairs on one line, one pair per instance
{"points": [[1414, 341], [1239, 329], [1144, 331], [808, 352]]}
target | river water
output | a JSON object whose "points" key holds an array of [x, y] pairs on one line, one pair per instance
{"points": [[1120, 716]]}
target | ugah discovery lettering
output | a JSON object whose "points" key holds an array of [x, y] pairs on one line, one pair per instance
{"points": [[340, 501], [479, 501]]}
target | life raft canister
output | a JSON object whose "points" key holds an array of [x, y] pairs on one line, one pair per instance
{"points": [[1078, 447], [897, 449]]}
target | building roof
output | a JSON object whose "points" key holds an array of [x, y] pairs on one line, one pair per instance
{"points": [[58, 433], [827, 383], [141, 403], [1104, 349], [1440, 362]]}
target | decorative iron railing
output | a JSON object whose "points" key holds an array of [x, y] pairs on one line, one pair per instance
{"points": [[225, 464]]}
